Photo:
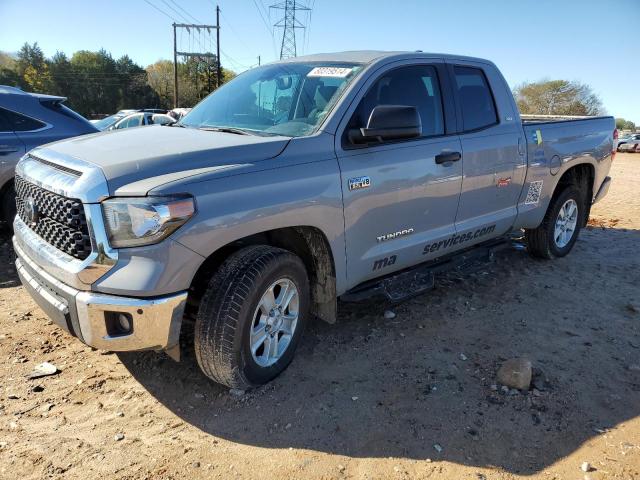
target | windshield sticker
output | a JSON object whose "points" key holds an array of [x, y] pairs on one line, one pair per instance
{"points": [[338, 72], [533, 195]]}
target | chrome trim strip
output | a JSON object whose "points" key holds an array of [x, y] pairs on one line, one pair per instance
{"points": [[90, 187]]}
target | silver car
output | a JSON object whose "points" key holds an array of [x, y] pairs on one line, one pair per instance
{"points": [[28, 120], [630, 143], [141, 119]]}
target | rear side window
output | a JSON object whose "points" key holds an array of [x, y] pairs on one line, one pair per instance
{"points": [[4, 124], [21, 123], [415, 86], [478, 107]]}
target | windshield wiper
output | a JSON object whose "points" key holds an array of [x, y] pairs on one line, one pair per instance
{"points": [[237, 131]]}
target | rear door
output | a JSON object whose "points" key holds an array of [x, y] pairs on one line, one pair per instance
{"points": [[397, 196], [494, 157]]}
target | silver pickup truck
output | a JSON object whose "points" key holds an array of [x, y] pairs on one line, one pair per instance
{"points": [[300, 182]]}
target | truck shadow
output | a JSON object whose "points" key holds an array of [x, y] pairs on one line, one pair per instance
{"points": [[420, 386], [8, 275]]}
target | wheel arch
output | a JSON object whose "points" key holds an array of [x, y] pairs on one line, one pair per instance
{"points": [[582, 175], [307, 242]]}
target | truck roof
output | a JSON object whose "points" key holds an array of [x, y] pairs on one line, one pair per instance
{"points": [[369, 56]]}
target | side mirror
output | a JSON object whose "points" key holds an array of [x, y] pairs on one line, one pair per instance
{"points": [[389, 122]]}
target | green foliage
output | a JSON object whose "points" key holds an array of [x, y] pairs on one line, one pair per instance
{"points": [[557, 97], [96, 83], [622, 124], [195, 81]]}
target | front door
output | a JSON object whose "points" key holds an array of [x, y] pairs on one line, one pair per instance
{"points": [[399, 197]]}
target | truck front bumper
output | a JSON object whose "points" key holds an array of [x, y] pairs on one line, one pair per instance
{"points": [[96, 319]]}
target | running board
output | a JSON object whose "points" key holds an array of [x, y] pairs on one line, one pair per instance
{"points": [[413, 281]]}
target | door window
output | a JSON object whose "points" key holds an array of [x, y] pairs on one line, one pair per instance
{"points": [[478, 108], [415, 86]]}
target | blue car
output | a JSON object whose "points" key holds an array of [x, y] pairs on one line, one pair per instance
{"points": [[28, 120]]}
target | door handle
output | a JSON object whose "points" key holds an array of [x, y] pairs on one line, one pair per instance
{"points": [[446, 157]]}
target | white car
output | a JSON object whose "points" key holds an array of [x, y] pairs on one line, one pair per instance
{"points": [[141, 119], [630, 143]]}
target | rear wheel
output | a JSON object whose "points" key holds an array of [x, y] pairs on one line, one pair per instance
{"points": [[252, 316], [559, 230]]}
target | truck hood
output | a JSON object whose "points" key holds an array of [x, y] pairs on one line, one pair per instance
{"points": [[136, 154]]}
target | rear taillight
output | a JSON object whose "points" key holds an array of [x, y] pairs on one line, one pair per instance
{"points": [[615, 143]]}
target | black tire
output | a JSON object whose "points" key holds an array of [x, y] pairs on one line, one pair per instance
{"points": [[227, 309], [8, 206], [540, 241]]}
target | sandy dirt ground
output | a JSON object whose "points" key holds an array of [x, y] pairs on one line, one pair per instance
{"points": [[367, 398]]}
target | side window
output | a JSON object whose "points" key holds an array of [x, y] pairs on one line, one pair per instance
{"points": [[4, 124], [478, 108], [21, 123], [416, 86]]}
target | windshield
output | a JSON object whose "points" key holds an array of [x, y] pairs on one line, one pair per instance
{"points": [[107, 122], [288, 99]]}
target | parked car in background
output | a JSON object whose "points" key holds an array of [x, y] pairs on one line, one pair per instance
{"points": [[629, 143], [108, 122], [28, 120], [142, 119]]}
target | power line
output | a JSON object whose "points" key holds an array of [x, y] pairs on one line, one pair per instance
{"points": [[266, 24], [180, 7], [175, 11], [234, 30], [289, 23], [160, 10]]}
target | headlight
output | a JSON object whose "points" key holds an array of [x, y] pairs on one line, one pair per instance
{"points": [[132, 222]]}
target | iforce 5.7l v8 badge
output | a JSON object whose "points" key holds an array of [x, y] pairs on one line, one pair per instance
{"points": [[356, 183]]}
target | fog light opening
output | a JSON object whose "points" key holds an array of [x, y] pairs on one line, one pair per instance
{"points": [[119, 323]]}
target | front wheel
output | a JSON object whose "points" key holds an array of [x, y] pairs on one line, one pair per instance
{"points": [[559, 230], [252, 316]]}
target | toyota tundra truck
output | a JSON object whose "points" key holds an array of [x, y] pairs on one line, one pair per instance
{"points": [[298, 183]]}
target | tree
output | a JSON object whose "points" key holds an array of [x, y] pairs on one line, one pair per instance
{"points": [[135, 92], [194, 79], [557, 97], [32, 69], [95, 83], [622, 124]]}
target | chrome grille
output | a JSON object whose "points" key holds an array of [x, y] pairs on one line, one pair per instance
{"points": [[61, 221]]}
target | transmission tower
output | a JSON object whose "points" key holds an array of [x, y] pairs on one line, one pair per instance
{"points": [[289, 23]]}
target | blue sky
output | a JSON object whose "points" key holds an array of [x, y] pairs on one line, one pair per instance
{"points": [[595, 42]]}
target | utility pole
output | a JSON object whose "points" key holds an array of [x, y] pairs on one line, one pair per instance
{"points": [[175, 68], [219, 69], [258, 60], [199, 55], [289, 23]]}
